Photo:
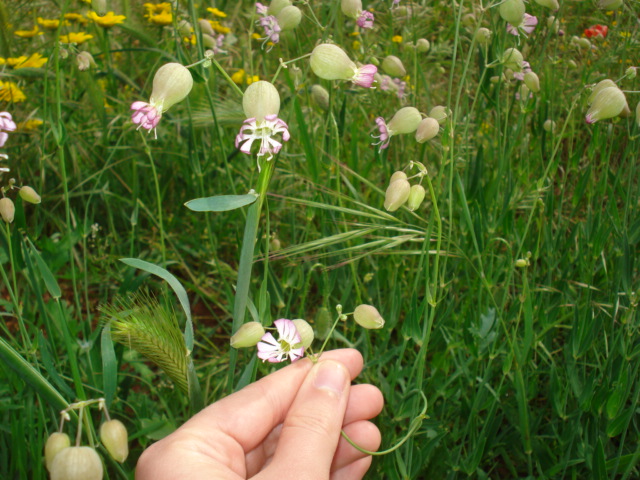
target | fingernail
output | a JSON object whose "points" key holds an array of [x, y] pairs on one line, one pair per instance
{"points": [[330, 376]]}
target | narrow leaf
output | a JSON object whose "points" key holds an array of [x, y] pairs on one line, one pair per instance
{"points": [[221, 203], [109, 365]]}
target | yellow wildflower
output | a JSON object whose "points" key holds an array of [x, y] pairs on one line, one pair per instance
{"points": [[76, 17], [108, 20], [163, 18], [51, 24], [9, 92], [191, 40], [251, 79], [2, 61], [354, 34], [216, 12], [625, 34], [238, 77], [34, 61], [155, 8], [256, 36], [28, 33], [218, 27], [396, 39], [13, 61], [75, 37], [30, 125], [356, 45]]}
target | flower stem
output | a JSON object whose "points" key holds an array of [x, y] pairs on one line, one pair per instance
{"points": [[226, 76]]}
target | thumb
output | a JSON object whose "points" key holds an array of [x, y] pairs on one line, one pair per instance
{"points": [[311, 430]]}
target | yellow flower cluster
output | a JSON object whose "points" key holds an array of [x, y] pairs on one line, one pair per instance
{"points": [[9, 92], [216, 12], [34, 61], [28, 33], [75, 37], [159, 13], [106, 21], [218, 27], [240, 76], [50, 24], [76, 17]]}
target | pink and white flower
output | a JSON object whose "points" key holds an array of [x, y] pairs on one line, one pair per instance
{"points": [[6, 125], [271, 30], [364, 75], [384, 134], [289, 343], [146, 115], [365, 20], [527, 26], [264, 131]]}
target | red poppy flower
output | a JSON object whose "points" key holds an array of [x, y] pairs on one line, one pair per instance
{"points": [[596, 31]]}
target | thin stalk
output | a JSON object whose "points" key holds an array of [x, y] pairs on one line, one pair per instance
{"points": [[158, 197]]}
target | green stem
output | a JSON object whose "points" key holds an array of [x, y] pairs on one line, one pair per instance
{"points": [[158, 197]]}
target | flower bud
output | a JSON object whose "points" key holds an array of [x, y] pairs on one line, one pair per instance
{"points": [[549, 125], [7, 209], [606, 83], [206, 27], [114, 437], [396, 195], [399, 175], [171, 84], [428, 128], [572, 63], [631, 72], [552, 4], [512, 11], [423, 45], [277, 6], [184, 28], [512, 58], [367, 316], [28, 194], [468, 20], [99, 6], [522, 263], [261, 99], [416, 196], [320, 96], [330, 62], [608, 103], [392, 65], [440, 113], [532, 81], [55, 444], [323, 322], [609, 4], [85, 61], [483, 36], [305, 330], [351, 8], [579, 42], [405, 120], [248, 335], [289, 18], [76, 463]]}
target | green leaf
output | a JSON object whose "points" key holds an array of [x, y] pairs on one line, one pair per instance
{"points": [[109, 365], [47, 276], [47, 361], [599, 462], [221, 203]]}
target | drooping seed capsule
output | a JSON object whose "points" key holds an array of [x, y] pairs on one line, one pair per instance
{"points": [[55, 444], [305, 330], [77, 463], [248, 335], [416, 196], [399, 175], [392, 65], [367, 316], [7, 209], [396, 195], [28, 194], [428, 128], [114, 437]]}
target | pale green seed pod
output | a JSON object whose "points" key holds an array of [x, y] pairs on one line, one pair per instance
{"points": [[289, 18], [55, 444], [85, 61], [423, 45], [549, 125], [406, 120], [416, 196], [261, 99], [440, 113], [184, 28], [305, 330], [608, 103], [552, 24], [552, 4], [428, 128], [631, 72], [606, 83], [7, 209], [572, 64], [330, 62], [483, 36], [276, 7], [206, 27], [248, 335], [609, 4], [320, 96], [208, 41], [512, 11], [171, 84], [393, 66], [114, 437], [582, 43], [28, 194], [351, 8], [532, 81], [367, 316], [468, 20], [99, 6], [323, 321], [77, 463], [399, 175], [522, 263], [396, 195], [512, 58]]}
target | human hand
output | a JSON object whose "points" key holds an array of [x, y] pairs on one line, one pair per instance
{"points": [[284, 426]]}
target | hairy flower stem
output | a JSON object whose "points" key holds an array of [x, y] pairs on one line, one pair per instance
{"points": [[246, 259]]}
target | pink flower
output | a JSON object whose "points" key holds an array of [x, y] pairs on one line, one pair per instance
{"points": [[364, 75], [288, 344], [365, 20], [527, 26], [261, 9], [263, 131], [526, 68], [8, 125], [146, 116], [271, 30], [384, 134]]}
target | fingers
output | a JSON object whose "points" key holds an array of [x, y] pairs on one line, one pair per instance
{"points": [[364, 434], [365, 402], [311, 429], [250, 414]]}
